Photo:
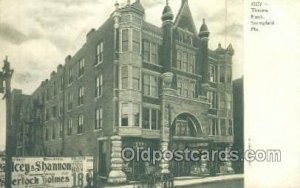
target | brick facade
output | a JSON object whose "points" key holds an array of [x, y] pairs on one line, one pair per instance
{"points": [[133, 81]]}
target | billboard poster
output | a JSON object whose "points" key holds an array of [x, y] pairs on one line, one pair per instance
{"points": [[2, 172], [52, 172]]}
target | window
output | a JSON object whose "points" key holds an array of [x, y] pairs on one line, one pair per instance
{"points": [[229, 74], [70, 76], [154, 86], [154, 119], [54, 111], [179, 59], [136, 115], [60, 109], [147, 85], [99, 53], [191, 67], [136, 41], [98, 90], [154, 53], [146, 51], [124, 115], [124, 73], [214, 127], [125, 40], [146, 118], [70, 101], [150, 119], [184, 62], [136, 76], [182, 128], [61, 83], [98, 118], [47, 115], [228, 101], [81, 67], [179, 86], [54, 89], [47, 134], [223, 127], [60, 130], [192, 88], [185, 89], [80, 95], [80, 127], [230, 128], [212, 73], [70, 127], [222, 100], [150, 85], [212, 99], [53, 133], [222, 74]]}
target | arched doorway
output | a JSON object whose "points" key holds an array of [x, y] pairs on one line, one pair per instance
{"points": [[185, 133]]}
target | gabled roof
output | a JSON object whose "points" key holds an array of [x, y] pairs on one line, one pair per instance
{"points": [[184, 18]]}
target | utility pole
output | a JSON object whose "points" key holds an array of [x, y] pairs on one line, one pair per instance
{"points": [[5, 87]]}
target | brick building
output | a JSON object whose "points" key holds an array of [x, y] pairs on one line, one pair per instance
{"points": [[134, 84]]}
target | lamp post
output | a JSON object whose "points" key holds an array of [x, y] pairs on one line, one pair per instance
{"points": [[5, 88]]}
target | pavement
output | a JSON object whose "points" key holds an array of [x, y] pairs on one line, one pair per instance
{"points": [[232, 181]]}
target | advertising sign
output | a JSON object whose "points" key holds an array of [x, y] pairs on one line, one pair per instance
{"points": [[52, 172]]}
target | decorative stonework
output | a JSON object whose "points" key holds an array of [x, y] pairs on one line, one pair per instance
{"points": [[116, 174], [167, 79]]}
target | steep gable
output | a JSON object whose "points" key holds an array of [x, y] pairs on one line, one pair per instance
{"points": [[184, 18]]}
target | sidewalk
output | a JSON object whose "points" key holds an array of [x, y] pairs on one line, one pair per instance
{"points": [[188, 181]]}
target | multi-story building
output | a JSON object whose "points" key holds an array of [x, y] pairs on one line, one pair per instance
{"points": [[133, 84]]}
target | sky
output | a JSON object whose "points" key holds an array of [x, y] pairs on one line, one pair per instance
{"points": [[37, 35]]}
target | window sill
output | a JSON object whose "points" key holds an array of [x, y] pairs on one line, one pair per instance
{"points": [[79, 77], [97, 130], [96, 98], [79, 106], [150, 63], [99, 63], [153, 97]]}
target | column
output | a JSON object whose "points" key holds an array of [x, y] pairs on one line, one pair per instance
{"points": [[116, 174], [164, 164], [228, 163]]}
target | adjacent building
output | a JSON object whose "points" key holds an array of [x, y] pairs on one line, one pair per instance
{"points": [[133, 84]]}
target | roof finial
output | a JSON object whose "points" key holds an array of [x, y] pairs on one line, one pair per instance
{"points": [[128, 2], [167, 2], [203, 20], [117, 4]]}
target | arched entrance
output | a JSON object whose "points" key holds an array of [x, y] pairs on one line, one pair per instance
{"points": [[186, 133]]}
